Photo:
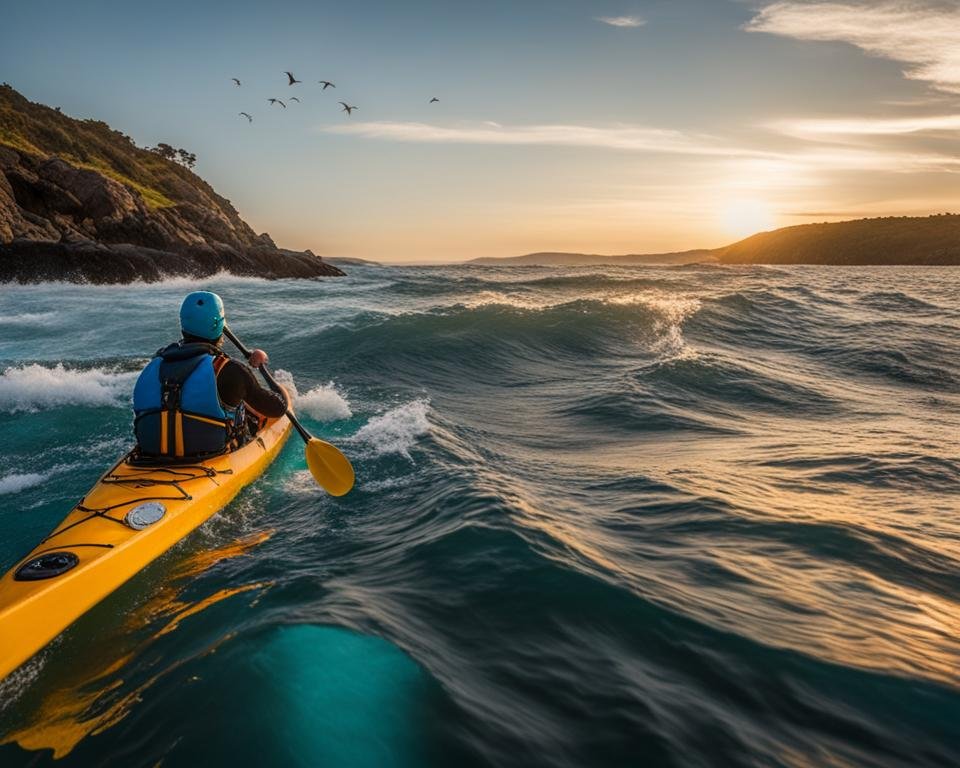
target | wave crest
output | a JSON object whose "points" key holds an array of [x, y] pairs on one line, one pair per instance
{"points": [[396, 430], [323, 402], [20, 481], [35, 387]]}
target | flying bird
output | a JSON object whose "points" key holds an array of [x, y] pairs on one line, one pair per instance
{"points": [[346, 107], [249, 118], [292, 78], [236, 81], [326, 84], [294, 98], [277, 101], [433, 100]]}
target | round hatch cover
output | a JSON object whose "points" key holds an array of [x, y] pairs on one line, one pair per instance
{"points": [[46, 566], [144, 515]]}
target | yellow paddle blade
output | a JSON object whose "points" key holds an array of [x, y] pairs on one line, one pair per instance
{"points": [[329, 467]]}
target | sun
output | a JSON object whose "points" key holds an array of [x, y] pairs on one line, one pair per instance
{"points": [[742, 218]]}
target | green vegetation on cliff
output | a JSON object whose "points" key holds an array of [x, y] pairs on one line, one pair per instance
{"points": [[45, 132]]}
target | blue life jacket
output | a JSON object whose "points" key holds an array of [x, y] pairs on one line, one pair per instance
{"points": [[177, 409]]}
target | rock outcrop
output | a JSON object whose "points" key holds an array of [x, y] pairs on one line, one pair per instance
{"points": [[62, 220]]}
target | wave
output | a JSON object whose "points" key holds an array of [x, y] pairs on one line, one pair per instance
{"points": [[508, 342], [173, 281], [16, 482], [896, 365], [396, 430], [21, 481], [896, 301], [36, 387], [633, 411], [593, 281], [672, 311], [897, 470], [735, 386], [323, 402], [29, 319]]}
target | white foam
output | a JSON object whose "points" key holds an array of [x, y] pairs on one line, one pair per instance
{"points": [[672, 312], [19, 681], [29, 318], [387, 484], [170, 281], [675, 309], [396, 430], [514, 300], [37, 387], [323, 403], [17, 482]]}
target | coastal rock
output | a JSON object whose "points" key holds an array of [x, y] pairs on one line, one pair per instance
{"points": [[75, 259], [65, 215]]}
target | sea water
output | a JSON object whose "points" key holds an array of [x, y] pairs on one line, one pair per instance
{"points": [[651, 516]]}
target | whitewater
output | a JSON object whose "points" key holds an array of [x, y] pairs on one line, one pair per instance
{"points": [[664, 516]]}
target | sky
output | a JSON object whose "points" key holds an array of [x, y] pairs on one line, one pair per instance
{"points": [[620, 126]]}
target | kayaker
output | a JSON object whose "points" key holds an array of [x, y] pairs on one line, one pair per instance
{"points": [[192, 400]]}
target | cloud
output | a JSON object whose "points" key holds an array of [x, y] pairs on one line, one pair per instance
{"points": [[867, 126], [923, 35], [621, 21], [801, 166], [617, 137]]}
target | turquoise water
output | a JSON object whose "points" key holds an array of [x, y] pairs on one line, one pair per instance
{"points": [[651, 516]]}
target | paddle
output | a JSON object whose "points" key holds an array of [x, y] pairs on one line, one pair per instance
{"points": [[329, 467]]}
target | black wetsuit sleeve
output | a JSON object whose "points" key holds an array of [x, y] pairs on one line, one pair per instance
{"points": [[237, 382]]}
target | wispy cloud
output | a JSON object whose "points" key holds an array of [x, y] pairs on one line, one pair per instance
{"points": [[924, 35], [792, 167], [617, 137], [621, 21], [867, 126]]}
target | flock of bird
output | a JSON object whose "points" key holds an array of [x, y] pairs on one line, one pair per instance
{"points": [[348, 108]]}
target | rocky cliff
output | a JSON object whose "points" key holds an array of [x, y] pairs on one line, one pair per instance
{"points": [[80, 201]]}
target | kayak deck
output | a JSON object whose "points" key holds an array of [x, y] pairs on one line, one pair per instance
{"points": [[99, 547]]}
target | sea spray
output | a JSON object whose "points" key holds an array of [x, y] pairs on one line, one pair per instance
{"points": [[37, 387], [671, 313], [323, 402], [20, 481], [396, 430], [26, 319]]}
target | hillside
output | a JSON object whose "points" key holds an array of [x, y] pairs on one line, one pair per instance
{"points": [[354, 261], [550, 259], [895, 240], [80, 201], [931, 240]]}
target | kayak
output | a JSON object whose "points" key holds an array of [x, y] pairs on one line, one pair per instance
{"points": [[130, 517]]}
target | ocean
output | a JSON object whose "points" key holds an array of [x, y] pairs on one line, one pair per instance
{"points": [[650, 516]]}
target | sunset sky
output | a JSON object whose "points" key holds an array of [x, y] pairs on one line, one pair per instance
{"points": [[604, 127]]}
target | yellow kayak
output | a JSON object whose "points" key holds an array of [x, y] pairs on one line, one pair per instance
{"points": [[129, 518]]}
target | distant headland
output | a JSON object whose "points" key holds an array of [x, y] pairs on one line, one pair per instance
{"points": [[81, 202], [893, 240]]}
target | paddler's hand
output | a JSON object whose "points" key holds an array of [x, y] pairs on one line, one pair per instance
{"points": [[257, 358]]}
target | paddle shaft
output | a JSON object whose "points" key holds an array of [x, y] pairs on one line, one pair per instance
{"points": [[265, 372]]}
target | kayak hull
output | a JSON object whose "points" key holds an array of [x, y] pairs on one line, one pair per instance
{"points": [[104, 547]]}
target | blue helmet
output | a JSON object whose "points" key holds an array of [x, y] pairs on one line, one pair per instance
{"points": [[202, 315]]}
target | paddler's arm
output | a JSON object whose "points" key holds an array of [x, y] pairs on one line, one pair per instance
{"points": [[237, 382], [257, 358]]}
